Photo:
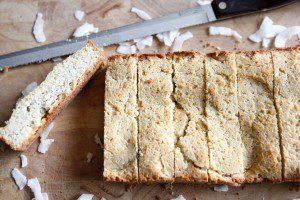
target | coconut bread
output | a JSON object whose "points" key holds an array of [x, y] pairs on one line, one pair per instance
{"points": [[225, 145], [156, 130], [257, 115], [287, 98], [37, 110], [191, 152], [121, 127]]}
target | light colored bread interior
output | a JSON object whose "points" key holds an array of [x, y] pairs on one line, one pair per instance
{"points": [[287, 98], [191, 152], [121, 127], [224, 139], [257, 115], [156, 130], [37, 109]]}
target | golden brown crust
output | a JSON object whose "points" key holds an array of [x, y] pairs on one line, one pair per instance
{"points": [[49, 117]]}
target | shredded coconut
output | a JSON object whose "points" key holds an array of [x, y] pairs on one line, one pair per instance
{"points": [[44, 145], [284, 36], [24, 161], [266, 42], [45, 196], [38, 27], [266, 30], [29, 88], [143, 42], [86, 197], [213, 30], [19, 178], [204, 2], [142, 14], [221, 188], [85, 29], [180, 39], [35, 188], [180, 197], [57, 59], [89, 157], [79, 15], [47, 130], [125, 49]]}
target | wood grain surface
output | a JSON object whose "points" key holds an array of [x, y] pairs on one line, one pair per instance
{"points": [[63, 171]]}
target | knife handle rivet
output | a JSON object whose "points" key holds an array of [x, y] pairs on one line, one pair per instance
{"points": [[222, 5]]}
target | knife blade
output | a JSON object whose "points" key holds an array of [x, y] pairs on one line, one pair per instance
{"points": [[190, 17], [218, 10]]}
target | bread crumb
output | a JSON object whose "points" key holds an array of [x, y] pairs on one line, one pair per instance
{"points": [[89, 157], [5, 69], [98, 141]]}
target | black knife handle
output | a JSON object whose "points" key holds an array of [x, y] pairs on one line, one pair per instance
{"points": [[228, 8]]}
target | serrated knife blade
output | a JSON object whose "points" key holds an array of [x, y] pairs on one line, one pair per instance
{"points": [[190, 17]]}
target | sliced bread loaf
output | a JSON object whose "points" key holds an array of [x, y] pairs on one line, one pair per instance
{"points": [[34, 112], [257, 116], [287, 100], [191, 152], [156, 130], [224, 140], [121, 126]]}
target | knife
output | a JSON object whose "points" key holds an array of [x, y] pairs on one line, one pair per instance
{"points": [[217, 10]]}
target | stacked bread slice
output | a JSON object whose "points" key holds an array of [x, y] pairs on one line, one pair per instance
{"points": [[35, 111], [225, 117]]}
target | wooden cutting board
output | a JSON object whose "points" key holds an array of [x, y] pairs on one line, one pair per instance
{"points": [[63, 171]]}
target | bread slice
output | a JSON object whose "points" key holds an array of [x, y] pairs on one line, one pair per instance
{"points": [[156, 130], [121, 127], [225, 145], [287, 98], [34, 112], [257, 114], [191, 152]]}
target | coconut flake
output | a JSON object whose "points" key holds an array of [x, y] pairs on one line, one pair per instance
{"points": [[266, 42], [221, 188], [142, 14], [86, 197], [267, 29], [57, 59], [89, 157], [285, 35], [45, 196], [44, 145], [124, 49], [35, 188], [38, 27], [180, 39], [142, 43], [160, 37], [23, 161], [79, 15], [173, 34], [213, 30], [29, 88], [180, 197], [204, 2], [47, 130], [85, 29], [19, 178]]}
